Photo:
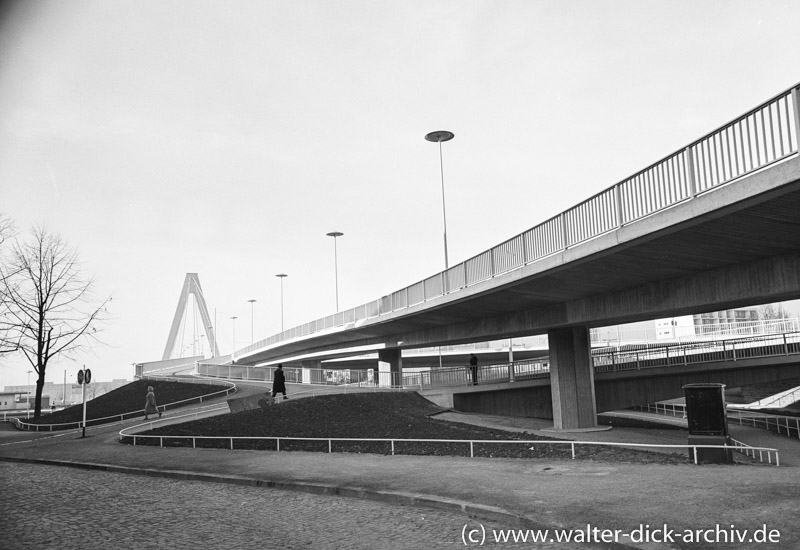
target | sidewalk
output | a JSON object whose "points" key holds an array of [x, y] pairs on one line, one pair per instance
{"points": [[540, 493]]}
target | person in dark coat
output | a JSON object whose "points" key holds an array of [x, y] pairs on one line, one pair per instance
{"points": [[473, 366], [150, 406], [279, 382]]}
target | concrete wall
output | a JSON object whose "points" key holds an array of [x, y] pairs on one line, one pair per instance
{"points": [[622, 390], [530, 401], [619, 392]]}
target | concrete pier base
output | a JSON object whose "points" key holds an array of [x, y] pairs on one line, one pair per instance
{"points": [[572, 379]]}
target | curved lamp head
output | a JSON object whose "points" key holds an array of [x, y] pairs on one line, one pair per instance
{"points": [[439, 136]]}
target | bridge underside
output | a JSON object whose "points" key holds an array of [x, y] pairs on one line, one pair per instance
{"points": [[736, 246]]}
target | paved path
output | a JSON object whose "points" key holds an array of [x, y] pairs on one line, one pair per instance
{"points": [[501, 492], [47, 507]]}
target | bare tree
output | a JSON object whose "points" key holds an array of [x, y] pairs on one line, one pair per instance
{"points": [[50, 308], [96, 389], [770, 311], [7, 343]]}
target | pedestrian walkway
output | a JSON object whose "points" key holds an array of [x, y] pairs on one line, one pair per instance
{"points": [[544, 493]]}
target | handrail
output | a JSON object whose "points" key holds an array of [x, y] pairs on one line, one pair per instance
{"points": [[471, 442], [106, 419], [761, 137], [744, 417], [605, 359]]}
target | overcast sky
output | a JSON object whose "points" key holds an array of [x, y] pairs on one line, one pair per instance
{"points": [[226, 138]]}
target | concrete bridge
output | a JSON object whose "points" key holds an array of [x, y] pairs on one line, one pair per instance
{"points": [[715, 225]]}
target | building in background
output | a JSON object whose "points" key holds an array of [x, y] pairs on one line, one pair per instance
{"points": [[65, 394]]}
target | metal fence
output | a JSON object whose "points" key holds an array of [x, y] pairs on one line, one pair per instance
{"points": [[707, 351], [128, 436], [763, 136], [122, 416], [607, 359]]}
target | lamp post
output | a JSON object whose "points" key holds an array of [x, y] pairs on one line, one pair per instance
{"points": [[438, 137], [281, 276], [233, 353], [252, 301], [336, 234]]}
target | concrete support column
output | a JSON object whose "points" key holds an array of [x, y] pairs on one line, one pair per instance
{"points": [[572, 379], [394, 359], [310, 371]]}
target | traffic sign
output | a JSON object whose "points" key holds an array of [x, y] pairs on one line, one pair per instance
{"points": [[84, 376]]}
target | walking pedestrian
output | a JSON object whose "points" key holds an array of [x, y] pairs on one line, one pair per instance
{"points": [[150, 406], [473, 366], [279, 382]]}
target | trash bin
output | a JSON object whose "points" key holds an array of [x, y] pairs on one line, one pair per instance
{"points": [[708, 422]]}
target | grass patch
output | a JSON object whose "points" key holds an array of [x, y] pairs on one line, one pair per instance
{"points": [[396, 415]]}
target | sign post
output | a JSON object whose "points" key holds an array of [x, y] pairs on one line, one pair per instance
{"points": [[84, 377]]}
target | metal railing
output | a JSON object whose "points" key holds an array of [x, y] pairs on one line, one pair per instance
{"points": [[127, 437], [605, 360], [689, 353], [782, 425], [778, 400], [763, 136], [120, 417]]}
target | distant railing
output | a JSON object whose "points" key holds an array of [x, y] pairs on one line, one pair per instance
{"points": [[779, 400], [763, 136], [735, 349], [780, 424], [605, 360], [120, 417]]}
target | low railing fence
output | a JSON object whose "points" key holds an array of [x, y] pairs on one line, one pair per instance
{"points": [[782, 425], [120, 417], [230, 443], [666, 409], [779, 400], [779, 424], [750, 451]]}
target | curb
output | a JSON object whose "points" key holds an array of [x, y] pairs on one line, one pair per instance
{"points": [[479, 511]]}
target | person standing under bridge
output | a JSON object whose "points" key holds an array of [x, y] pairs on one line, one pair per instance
{"points": [[279, 382], [473, 366]]}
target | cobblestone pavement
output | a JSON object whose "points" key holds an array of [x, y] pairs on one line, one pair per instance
{"points": [[51, 507]]}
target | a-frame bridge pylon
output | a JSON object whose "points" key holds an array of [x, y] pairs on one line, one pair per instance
{"points": [[191, 285]]}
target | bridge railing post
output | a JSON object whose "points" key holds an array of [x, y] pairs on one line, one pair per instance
{"points": [[796, 101], [690, 171]]}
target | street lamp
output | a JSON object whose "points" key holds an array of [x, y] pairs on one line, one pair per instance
{"points": [[233, 353], [438, 137], [282, 276], [335, 234], [252, 301]]}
